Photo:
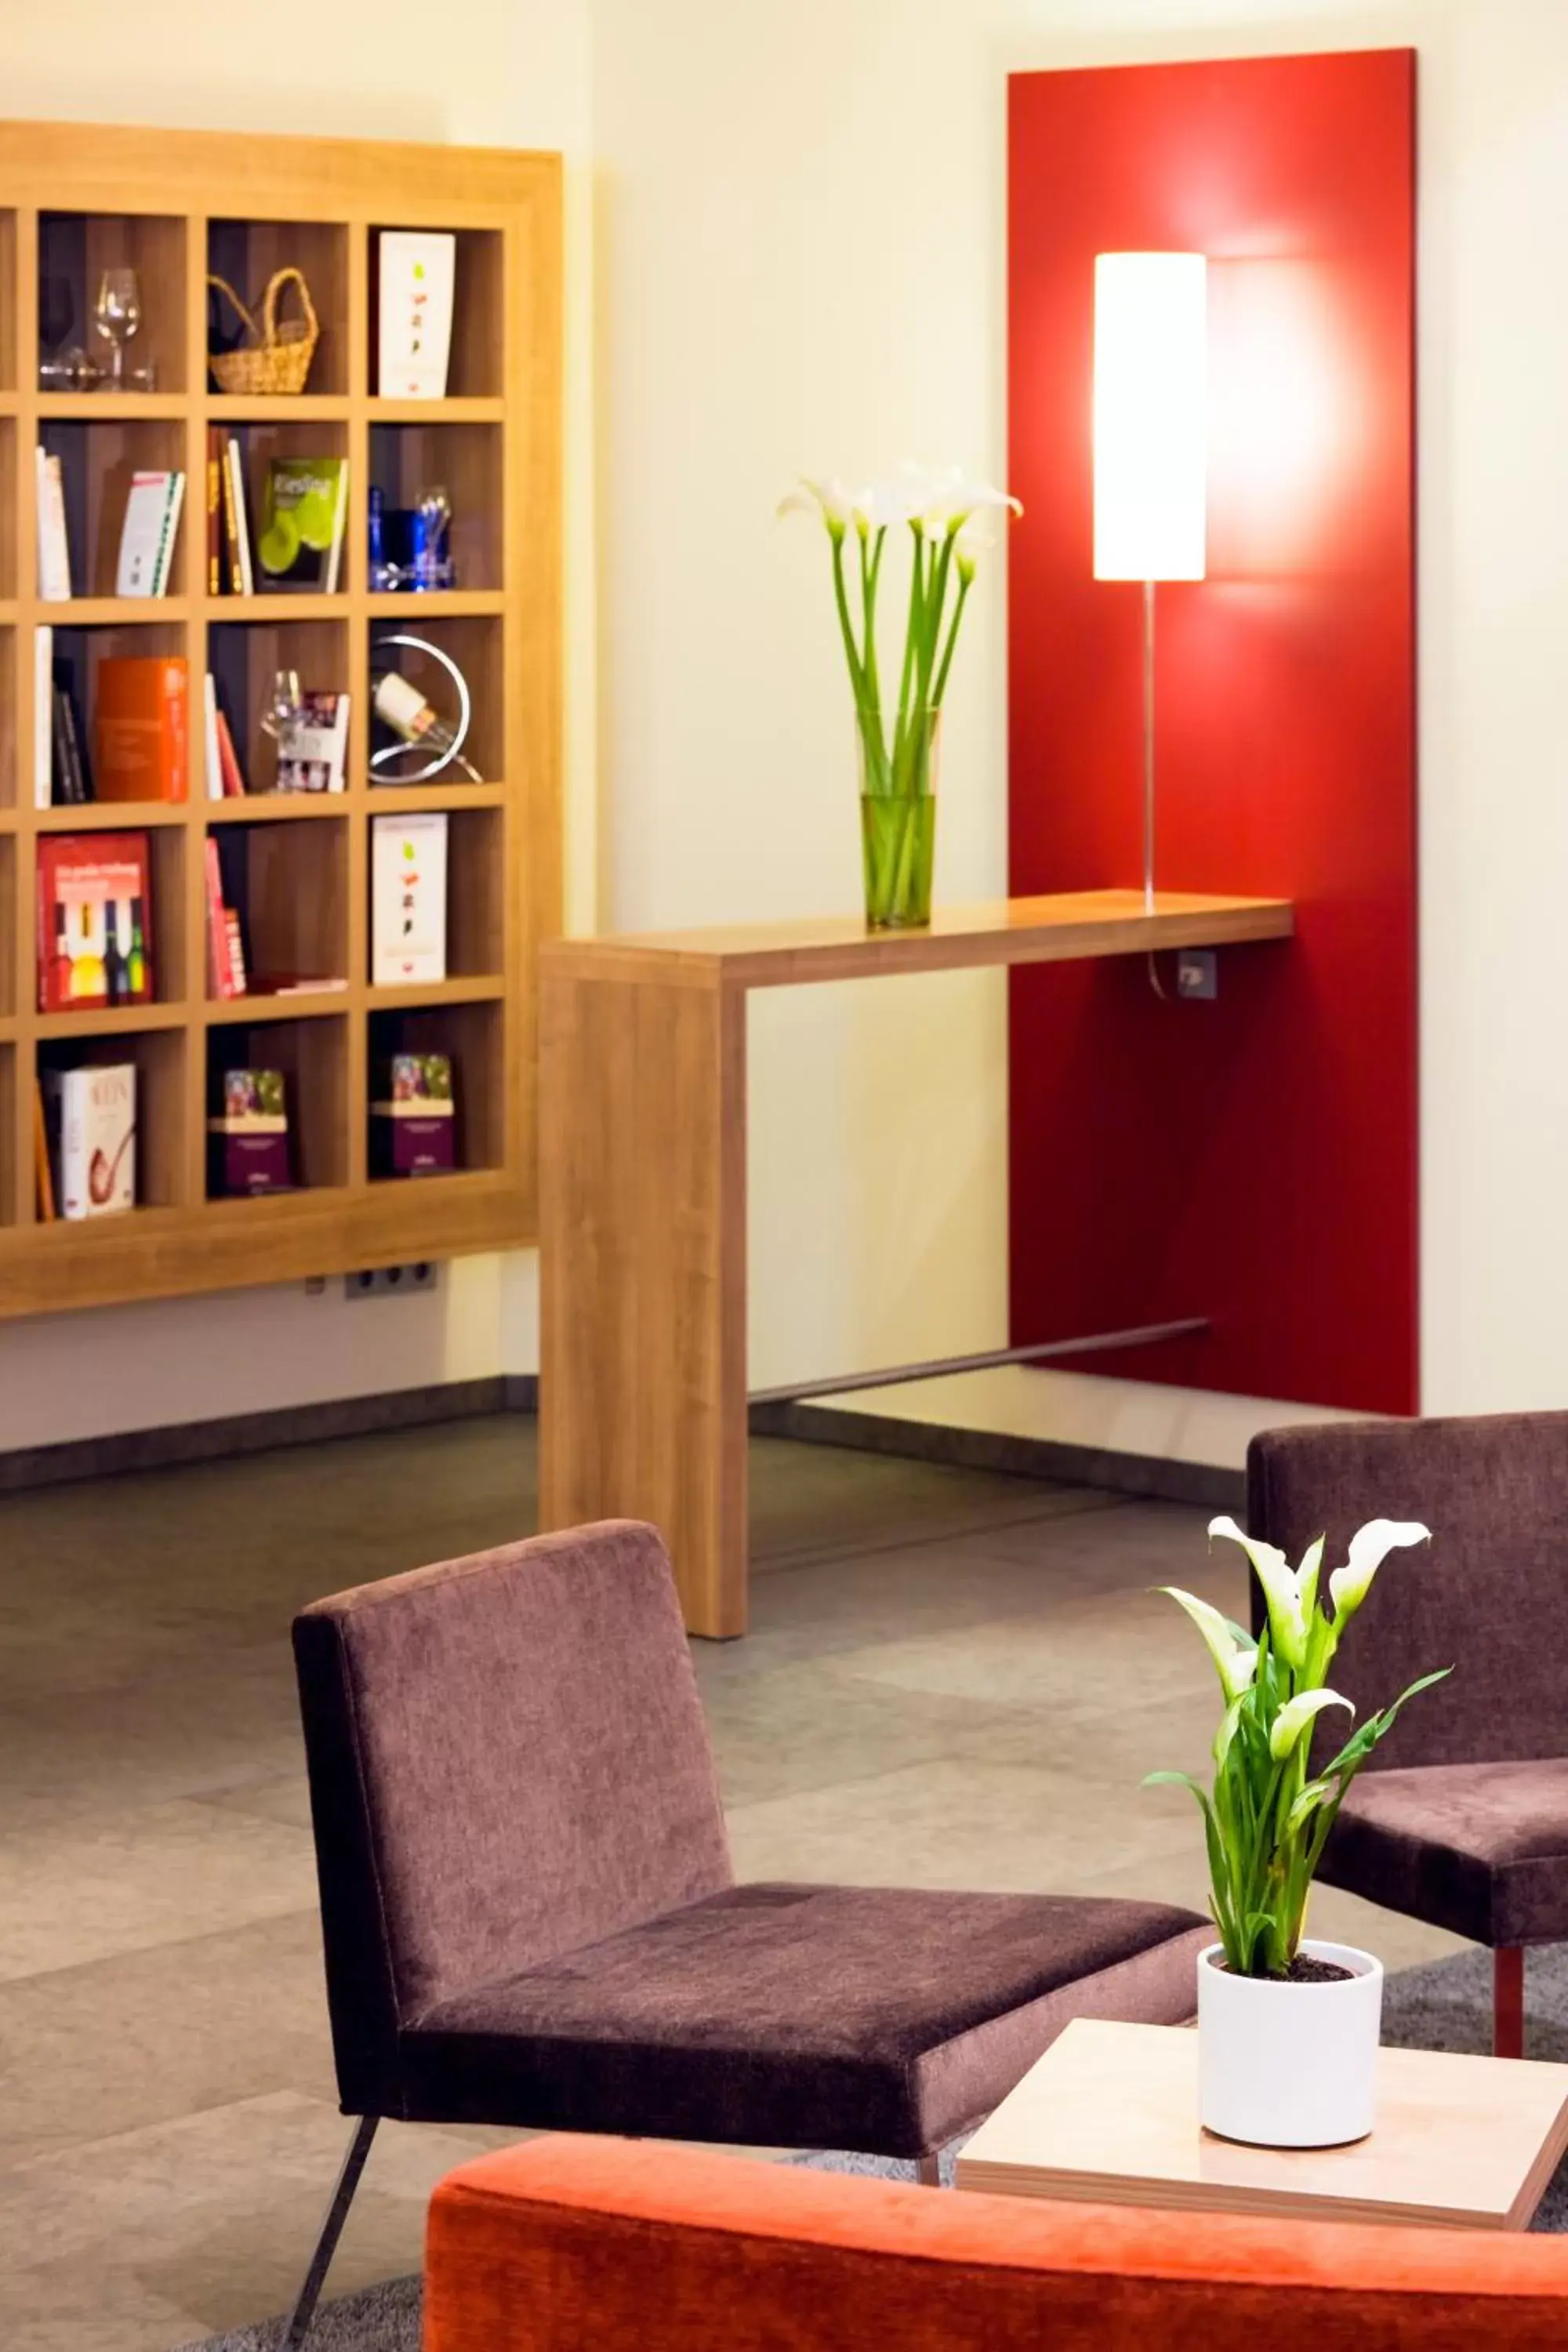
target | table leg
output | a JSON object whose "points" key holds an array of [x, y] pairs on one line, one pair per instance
{"points": [[642, 1271], [1507, 2002]]}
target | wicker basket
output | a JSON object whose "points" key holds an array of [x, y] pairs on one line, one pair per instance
{"points": [[277, 358]]}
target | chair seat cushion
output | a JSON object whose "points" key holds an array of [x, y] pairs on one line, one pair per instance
{"points": [[1481, 1849], [884, 2019]]}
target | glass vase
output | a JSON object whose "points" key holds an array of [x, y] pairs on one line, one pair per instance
{"points": [[898, 817]]}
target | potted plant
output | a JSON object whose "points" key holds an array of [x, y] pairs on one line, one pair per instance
{"points": [[898, 739], [1288, 2027]]}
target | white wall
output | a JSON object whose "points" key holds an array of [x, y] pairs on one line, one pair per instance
{"points": [[803, 269], [507, 73]]}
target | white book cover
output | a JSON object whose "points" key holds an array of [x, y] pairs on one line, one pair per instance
{"points": [[407, 899], [210, 754], [43, 715], [417, 274], [54, 548], [170, 532], [92, 1125], [141, 534]]}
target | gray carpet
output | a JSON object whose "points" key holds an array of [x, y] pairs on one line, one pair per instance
{"points": [[1446, 2006]]}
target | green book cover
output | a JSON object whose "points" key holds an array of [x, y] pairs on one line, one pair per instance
{"points": [[302, 523]]}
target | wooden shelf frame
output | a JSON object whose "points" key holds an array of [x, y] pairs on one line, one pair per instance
{"points": [[355, 187]]}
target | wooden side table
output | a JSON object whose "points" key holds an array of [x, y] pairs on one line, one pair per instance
{"points": [[1109, 2116], [642, 1186]]}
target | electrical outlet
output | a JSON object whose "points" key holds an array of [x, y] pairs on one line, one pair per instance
{"points": [[1198, 973], [386, 1281]]}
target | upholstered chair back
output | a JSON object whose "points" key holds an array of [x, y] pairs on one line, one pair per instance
{"points": [[508, 1761], [1488, 1596]]}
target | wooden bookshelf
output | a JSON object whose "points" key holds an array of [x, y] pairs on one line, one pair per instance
{"points": [[173, 205]]}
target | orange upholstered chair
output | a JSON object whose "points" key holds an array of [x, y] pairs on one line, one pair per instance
{"points": [[622, 2246]]}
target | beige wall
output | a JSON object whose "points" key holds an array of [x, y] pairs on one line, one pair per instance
{"points": [[802, 226], [482, 72]]}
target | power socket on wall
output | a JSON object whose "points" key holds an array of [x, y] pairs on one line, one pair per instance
{"points": [[383, 1281]]}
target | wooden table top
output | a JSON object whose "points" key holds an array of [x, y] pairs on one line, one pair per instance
{"points": [[1062, 928], [1109, 2116]]}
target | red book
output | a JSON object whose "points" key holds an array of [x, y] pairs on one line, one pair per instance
{"points": [[95, 928], [228, 759], [141, 730], [220, 973]]}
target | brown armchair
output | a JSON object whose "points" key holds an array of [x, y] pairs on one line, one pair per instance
{"points": [[1461, 1817], [531, 1918]]}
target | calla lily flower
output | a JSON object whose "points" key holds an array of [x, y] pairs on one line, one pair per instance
{"points": [[829, 500], [952, 499], [1370, 1546], [1284, 1589], [1294, 1718], [1236, 1658]]}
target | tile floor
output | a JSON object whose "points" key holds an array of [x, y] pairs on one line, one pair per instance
{"points": [[953, 1679]]}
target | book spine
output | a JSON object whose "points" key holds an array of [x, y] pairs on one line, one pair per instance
{"points": [[211, 758], [54, 548], [43, 711], [339, 518], [241, 520], [214, 515], [230, 522], [76, 772], [220, 976], [173, 503], [234, 786], [176, 747], [59, 758], [236, 953]]}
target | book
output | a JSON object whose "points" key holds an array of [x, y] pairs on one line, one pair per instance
{"points": [[413, 1120], [54, 546], [76, 760], [233, 785], [214, 512], [407, 899], [416, 275], [141, 727], [91, 1122], [220, 965], [303, 509], [232, 581], [212, 756], [94, 926], [43, 1172], [68, 789], [234, 939], [171, 536], [43, 715], [248, 1134], [146, 534], [312, 754], [245, 581]]}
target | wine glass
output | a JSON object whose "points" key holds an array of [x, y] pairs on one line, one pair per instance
{"points": [[282, 711], [117, 315]]}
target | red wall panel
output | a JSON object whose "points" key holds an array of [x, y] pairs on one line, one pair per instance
{"points": [[1252, 1159]]}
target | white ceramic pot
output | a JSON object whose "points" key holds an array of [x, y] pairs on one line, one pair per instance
{"points": [[1289, 2065]]}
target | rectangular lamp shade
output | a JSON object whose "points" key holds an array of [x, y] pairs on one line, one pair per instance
{"points": [[1150, 427]]}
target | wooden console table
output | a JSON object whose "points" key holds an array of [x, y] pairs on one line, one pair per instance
{"points": [[643, 1189]]}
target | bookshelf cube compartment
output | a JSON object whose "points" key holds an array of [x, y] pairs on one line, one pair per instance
{"points": [[248, 253], [246, 658], [463, 460], [10, 792], [74, 251], [158, 1056], [288, 884], [473, 1038], [313, 1056], [79, 655], [476, 892], [97, 462], [259, 446], [474, 645], [476, 367]]}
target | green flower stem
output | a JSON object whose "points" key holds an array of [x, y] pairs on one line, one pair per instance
{"points": [[912, 641], [964, 582]]}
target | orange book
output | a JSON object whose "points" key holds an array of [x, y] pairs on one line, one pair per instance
{"points": [[142, 729]]}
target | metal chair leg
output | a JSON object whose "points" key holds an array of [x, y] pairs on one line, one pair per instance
{"points": [[337, 2213], [1507, 2002], [928, 2172]]}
